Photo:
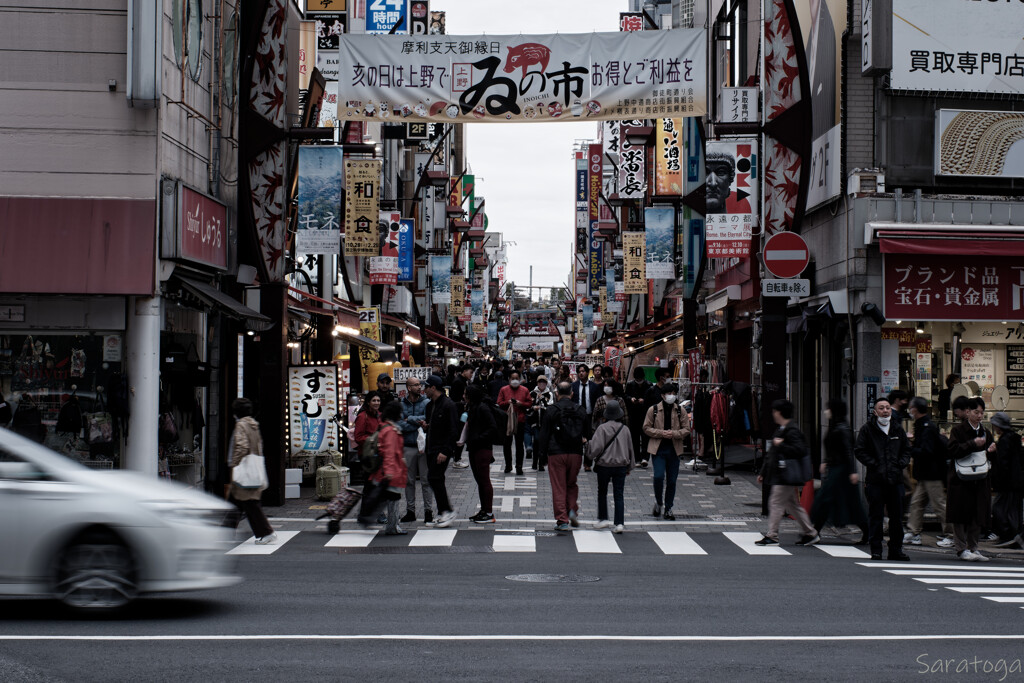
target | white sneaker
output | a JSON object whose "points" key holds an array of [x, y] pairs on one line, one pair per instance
{"points": [[690, 464], [965, 555], [618, 529], [978, 557], [445, 519], [461, 464], [946, 542], [267, 540], [911, 539], [603, 524]]}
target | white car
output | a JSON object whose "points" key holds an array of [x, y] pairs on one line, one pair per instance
{"points": [[96, 539]]}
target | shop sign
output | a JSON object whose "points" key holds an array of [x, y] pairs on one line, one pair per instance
{"points": [[419, 15], [441, 279], [458, 296], [406, 231], [924, 344], [369, 326], [942, 287], [905, 337], [634, 270], [383, 15], [978, 364], [12, 313], [362, 207], [307, 52], [312, 403], [383, 270], [522, 78], [631, 21], [476, 300], [534, 344], [1014, 358], [731, 182], [739, 105], [632, 169], [202, 227], [668, 173], [1015, 385], [318, 230], [659, 242], [437, 23], [582, 224]]}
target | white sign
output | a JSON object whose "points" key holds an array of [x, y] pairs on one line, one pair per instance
{"points": [[312, 402], [536, 344], [785, 287], [739, 105], [978, 364], [826, 174], [957, 46], [494, 78], [111, 348], [402, 375]]}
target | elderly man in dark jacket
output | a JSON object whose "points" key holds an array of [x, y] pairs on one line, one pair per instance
{"points": [[884, 450]]}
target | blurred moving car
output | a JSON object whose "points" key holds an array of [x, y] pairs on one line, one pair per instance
{"points": [[97, 539]]}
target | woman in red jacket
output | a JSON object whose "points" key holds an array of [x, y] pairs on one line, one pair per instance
{"points": [[388, 482], [368, 419]]}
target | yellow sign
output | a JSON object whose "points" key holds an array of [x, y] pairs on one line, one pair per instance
{"points": [[369, 326], [325, 5], [634, 266], [668, 172], [362, 207], [458, 305]]}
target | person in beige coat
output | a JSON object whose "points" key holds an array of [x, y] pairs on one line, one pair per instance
{"points": [[246, 439], [666, 426]]}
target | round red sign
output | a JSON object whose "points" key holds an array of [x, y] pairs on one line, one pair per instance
{"points": [[786, 254]]}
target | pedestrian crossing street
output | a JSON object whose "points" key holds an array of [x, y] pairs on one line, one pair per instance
{"points": [[583, 541], [1001, 584]]}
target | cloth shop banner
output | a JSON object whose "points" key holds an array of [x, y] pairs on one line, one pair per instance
{"points": [[954, 46], [659, 242], [668, 169], [312, 402], [319, 198], [441, 279], [362, 207], [731, 182], [561, 77], [634, 270], [944, 287]]}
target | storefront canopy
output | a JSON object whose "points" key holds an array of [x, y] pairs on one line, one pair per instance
{"points": [[214, 298], [448, 341], [952, 239], [385, 351]]}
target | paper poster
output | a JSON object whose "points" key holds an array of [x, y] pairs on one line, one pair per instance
{"points": [[634, 272], [312, 403], [362, 207]]}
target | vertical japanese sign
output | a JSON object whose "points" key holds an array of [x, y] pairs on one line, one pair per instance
{"points": [[312, 402], [634, 271], [362, 206], [731, 183], [369, 326], [610, 139], [319, 200], [668, 172], [458, 294], [595, 171], [659, 241], [632, 169], [419, 17], [382, 15], [406, 232], [588, 318], [383, 269], [329, 29], [476, 300], [739, 105], [441, 279], [492, 334], [631, 21], [582, 227], [307, 52]]}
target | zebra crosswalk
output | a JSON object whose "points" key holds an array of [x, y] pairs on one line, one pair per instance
{"points": [[1001, 584], [525, 540]]}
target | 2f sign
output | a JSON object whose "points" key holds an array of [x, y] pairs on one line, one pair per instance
{"points": [[825, 172], [368, 317]]}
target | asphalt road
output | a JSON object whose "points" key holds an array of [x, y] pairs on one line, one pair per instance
{"points": [[309, 612]]}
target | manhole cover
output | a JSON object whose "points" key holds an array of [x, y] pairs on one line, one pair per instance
{"points": [[553, 578]]}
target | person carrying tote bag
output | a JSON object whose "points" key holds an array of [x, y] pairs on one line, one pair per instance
{"points": [[246, 486]]}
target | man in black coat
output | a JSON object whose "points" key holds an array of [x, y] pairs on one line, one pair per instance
{"points": [[585, 394], [443, 432], [884, 449], [928, 454]]}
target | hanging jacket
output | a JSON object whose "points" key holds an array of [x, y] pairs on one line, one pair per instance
{"points": [[719, 412]]}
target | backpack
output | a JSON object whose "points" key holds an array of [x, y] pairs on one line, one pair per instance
{"points": [[568, 429], [369, 455], [69, 420]]}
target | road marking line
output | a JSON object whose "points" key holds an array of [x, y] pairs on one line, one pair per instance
{"points": [[676, 543], [433, 538], [911, 572], [998, 598], [984, 589], [357, 538], [904, 565], [745, 540], [515, 638], [250, 547], [593, 541], [975, 582], [842, 551], [509, 543]]}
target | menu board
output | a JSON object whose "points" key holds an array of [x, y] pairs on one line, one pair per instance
{"points": [[1015, 385], [1015, 358]]}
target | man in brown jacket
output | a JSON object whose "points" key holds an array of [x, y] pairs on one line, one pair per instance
{"points": [[666, 425]]}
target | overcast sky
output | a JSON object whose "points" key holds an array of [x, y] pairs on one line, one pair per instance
{"points": [[526, 170]]}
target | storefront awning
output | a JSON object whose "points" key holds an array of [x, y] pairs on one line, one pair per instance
{"points": [[948, 239], [214, 298], [448, 341], [385, 351]]}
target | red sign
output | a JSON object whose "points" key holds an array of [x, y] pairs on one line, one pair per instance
{"points": [[202, 229], [949, 287], [786, 254]]}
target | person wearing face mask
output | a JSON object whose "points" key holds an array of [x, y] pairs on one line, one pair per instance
{"points": [[608, 395], [884, 450], [968, 503], [666, 426], [515, 397], [541, 398]]}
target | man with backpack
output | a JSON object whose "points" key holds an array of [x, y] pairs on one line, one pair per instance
{"points": [[561, 438]]}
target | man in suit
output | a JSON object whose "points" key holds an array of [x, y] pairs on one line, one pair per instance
{"points": [[585, 394]]}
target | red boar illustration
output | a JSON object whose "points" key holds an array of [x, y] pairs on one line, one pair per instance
{"points": [[522, 56]]}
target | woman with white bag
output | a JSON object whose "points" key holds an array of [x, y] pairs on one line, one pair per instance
{"points": [[249, 478]]}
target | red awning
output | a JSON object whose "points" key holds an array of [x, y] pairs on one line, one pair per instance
{"points": [[974, 242], [88, 246], [449, 341]]}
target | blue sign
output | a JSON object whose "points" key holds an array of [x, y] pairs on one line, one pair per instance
{"points": [[588, 317], [382, 15], [406, 233], [313, 432]]}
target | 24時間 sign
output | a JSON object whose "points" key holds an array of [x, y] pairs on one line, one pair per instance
{"points": [[596, 76]]}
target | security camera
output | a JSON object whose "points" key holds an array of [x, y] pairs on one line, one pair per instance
{"points": [[872, 311]]}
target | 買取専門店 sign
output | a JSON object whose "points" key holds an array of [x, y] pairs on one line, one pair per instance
{"points": [[595, 76]]}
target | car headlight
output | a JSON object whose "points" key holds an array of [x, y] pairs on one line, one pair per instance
{"points": [[183, 513]]}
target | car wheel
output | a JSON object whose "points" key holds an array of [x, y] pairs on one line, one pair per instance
{"points": [[96, 573]]}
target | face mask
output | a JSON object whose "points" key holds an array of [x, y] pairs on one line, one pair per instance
{"points": [[608, 391], [464, 417], [669, 398], [884, 421], [514, 384]]}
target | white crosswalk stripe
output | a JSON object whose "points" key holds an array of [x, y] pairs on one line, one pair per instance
{"points": [[594, 541], [433, 538], [507, 542], [999, 584], [250, 547], [843, 551], [356, 538], [746, 542], [676, 543]]}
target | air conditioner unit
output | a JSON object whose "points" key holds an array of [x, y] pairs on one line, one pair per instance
{"points": [[865, 182]]}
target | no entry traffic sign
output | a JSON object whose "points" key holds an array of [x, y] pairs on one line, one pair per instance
{"points": [[786, 254]]}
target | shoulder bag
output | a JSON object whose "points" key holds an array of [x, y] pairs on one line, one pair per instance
{"points": [[251, 473], [972, 467]]}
